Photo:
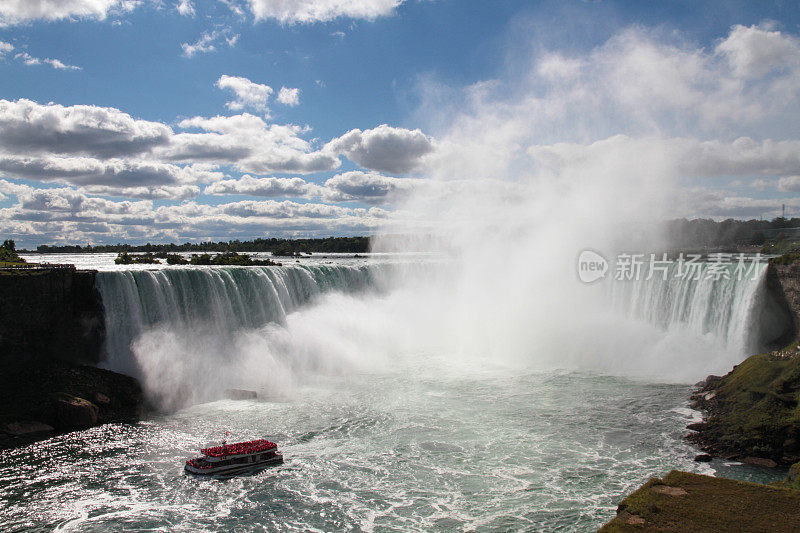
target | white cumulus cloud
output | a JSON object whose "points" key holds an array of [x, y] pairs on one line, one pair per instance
{"points": [[310, 11], [249, 143], [290, 97], [267, 187], [248, 94], [185, 8], [756, 50], [368, 187], [385, 148], [20, 11], [29, 128]]}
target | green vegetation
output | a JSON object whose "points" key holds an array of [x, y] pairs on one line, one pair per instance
{"points": [[690, 502], [282, 246], [124, 258], [8, 254], [776, 236], [703, 233], [781, 244], [792, 480], [227, 258], [287, 249], [754, 409], [230, 258], [175, 259], [786, 259]]}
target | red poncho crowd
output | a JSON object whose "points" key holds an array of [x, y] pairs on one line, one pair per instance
{"points": [[239, 448]]}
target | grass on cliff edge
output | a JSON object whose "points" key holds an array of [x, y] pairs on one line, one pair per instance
{"points": [[786, 259], [710, 504], [758, 404]]}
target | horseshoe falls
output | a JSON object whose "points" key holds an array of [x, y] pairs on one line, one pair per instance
{"points": [[190, 333], [411, 396]]}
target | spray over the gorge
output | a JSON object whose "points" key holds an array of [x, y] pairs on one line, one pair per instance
{"points": [[474, 292]]}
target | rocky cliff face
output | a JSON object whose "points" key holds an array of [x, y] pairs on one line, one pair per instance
{"points": [[51, 314], [789, 277], [778, 320], [51, 322], [779, 307]]}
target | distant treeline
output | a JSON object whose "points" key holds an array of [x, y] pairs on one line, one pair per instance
{"points": [[275, 246], [706, 232], [681, 233]]}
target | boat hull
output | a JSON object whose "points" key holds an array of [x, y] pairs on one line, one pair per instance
{"points": [[233, 469]]}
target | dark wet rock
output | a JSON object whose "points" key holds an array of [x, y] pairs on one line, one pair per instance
{"points": [[240, 394], [697, 426], [72, 412], [794, 473], [101, 399], [64, 396], [28, 429], [703, 458], [760, 461]]}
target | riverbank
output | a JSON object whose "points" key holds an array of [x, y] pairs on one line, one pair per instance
{"points": [[752, 413], [682, 501]]}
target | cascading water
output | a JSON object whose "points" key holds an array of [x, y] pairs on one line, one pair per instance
{"points": [[716, 299], [202, 316], [189, 333]]}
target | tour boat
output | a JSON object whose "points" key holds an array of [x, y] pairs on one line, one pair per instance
{"points": [[231, 459]]}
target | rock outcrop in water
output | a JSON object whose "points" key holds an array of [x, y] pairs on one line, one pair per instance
{"points": [[752, 412], [240, 394], [41, 397]]}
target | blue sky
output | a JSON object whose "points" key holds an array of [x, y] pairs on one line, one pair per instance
{"points": [[182, 130]]}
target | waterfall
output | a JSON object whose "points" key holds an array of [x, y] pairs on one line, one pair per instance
{"points": [[715, 299], [190, 333], [215, 301]]}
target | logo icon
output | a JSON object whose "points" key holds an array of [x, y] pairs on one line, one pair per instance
{"points": [[591, 266]]}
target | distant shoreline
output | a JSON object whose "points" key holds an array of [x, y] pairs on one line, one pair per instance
{"points": [[358, 244]]}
